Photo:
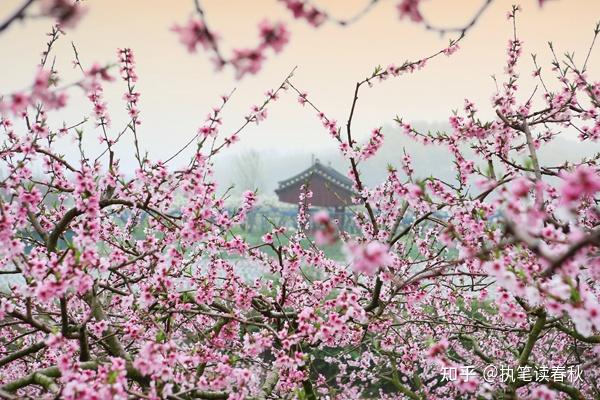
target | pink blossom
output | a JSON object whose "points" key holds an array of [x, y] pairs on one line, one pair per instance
{"points": [[370, 257], [322, 217], [521, 187], [410, 9], [302, 10], [451, 49], [275, 36], [19, 103], [99, 71], [247, 61], [302, 98], [67, 13], [194, 33], [268, 238], [438, 349], [325, 233], [582, 182]]}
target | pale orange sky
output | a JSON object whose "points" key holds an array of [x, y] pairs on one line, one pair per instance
{"points": [[178, 89]]}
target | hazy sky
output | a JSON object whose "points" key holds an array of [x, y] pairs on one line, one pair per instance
{"points": [[178, 89]]}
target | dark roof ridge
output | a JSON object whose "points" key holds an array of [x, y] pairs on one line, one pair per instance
{"points": [[329, 173]]}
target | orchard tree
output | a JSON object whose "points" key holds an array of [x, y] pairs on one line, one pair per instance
{"points": [[117, 289]]}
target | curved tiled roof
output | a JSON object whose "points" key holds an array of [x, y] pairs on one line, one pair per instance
{"points": [[336, 178]]}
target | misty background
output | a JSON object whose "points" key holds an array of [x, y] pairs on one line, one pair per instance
{"points": [[249, 169], [179, 89]]}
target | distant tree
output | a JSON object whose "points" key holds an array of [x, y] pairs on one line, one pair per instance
{"points": [[249, 171]]}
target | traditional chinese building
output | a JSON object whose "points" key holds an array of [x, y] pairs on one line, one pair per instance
{"points": [[330, 188]]}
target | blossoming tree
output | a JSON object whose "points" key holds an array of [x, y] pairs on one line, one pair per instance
{"points": [[118, 290]]}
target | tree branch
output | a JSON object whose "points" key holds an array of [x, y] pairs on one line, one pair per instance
{"points": [[17, 15]]}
